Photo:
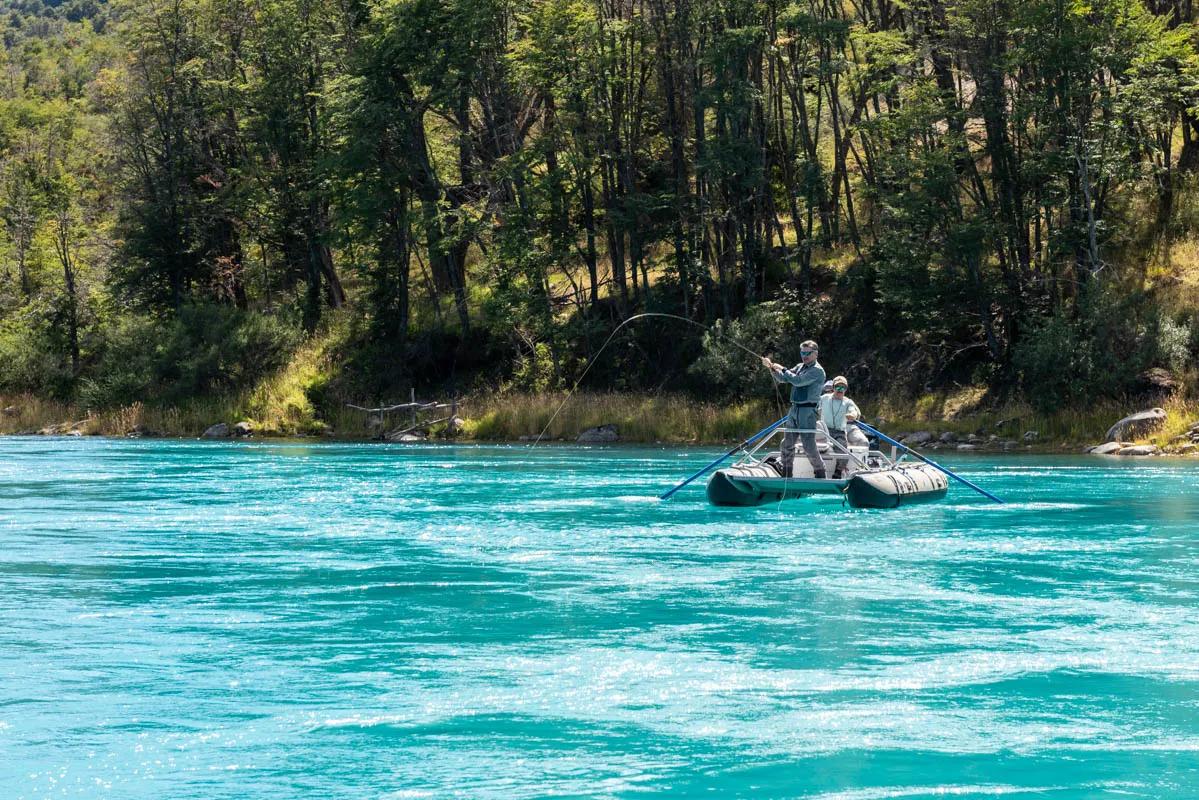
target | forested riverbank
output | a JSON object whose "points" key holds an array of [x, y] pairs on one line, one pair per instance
{"points": [[267, 209]]}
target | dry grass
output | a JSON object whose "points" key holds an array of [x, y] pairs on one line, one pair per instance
{"points": [[37, 415], [280, 406], [644, 418], [640, 418], [28, 414], [1175, 266], [1068, 427], [1181, 415]]}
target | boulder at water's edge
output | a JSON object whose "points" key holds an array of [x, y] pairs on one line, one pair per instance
{"points": [[600, 435], [1134, 426], [1139, 450], [218, 431]]}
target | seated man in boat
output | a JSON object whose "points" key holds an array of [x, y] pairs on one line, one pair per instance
{"points": [[806, 379], [839, 412]]}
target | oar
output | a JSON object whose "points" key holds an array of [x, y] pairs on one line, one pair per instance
{"points": [[928, 461], [746, 443]]}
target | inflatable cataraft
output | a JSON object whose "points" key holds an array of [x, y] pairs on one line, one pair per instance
{"points": [[869, 477]]}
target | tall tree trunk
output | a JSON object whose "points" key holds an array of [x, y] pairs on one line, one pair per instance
{"points": [[588, 197], [394, 263], [447, 252], [62, 246]]}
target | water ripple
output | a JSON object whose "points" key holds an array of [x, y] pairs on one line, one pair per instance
{"points": [[258, 620]]}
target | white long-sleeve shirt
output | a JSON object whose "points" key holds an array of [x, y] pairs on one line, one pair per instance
{"points": [[833, 412]]}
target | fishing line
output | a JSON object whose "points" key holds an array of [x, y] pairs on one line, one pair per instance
{"points": [[612, 336]]}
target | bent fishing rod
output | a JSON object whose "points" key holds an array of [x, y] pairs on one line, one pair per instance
{"points": [[612, 336], [757, 436]]}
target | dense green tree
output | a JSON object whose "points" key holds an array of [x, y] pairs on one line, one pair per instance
{"points": [[955, 179], [179, 154], [294, 50]]}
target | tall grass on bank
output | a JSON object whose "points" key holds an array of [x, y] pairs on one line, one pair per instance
{"points": [[281, 405], [37, 415], [640, 418], [1065, 427], [643, 418]]}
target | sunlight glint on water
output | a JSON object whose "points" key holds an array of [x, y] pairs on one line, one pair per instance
{"points": [[260, 620]]}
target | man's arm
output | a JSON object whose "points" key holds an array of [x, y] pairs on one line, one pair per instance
{"points": [[775, 369], [806, 378], [853, 413]]}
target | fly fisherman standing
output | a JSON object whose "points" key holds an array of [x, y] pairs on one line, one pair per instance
{"points": [[806, 380], [838, 412]]}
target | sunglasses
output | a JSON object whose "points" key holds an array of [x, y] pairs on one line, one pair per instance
{"points": [[840, 388], [806, 353]]}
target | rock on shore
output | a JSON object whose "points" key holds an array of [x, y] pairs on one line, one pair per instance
{"points": [[601, 434], [217, 431], [1136, 426], [405, 438], [1139, 450]]}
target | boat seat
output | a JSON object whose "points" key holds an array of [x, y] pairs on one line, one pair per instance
{"points": [[822, 444]]}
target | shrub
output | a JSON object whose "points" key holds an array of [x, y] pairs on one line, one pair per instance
{"points": [[29, 361], [1099, 351], [1173, 344], [1055, 360], [534, 370], [730, 371], [203, 350]]}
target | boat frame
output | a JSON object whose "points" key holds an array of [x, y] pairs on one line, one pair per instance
{"points": [[752, 480], [859, 457]]}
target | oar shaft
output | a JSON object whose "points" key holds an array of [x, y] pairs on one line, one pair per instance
{"points": [[928, 461], [746, 443]]}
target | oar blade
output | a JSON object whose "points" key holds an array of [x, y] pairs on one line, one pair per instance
{"points": [[667, 495]]}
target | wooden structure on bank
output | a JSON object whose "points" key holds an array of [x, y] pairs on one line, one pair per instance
{"points": [[414, 408]]}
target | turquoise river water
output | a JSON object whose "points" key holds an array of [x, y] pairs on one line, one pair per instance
{"points": [[183, 619]]}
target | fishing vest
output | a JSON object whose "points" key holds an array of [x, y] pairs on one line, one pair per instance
{"points": [[808, 395]]}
